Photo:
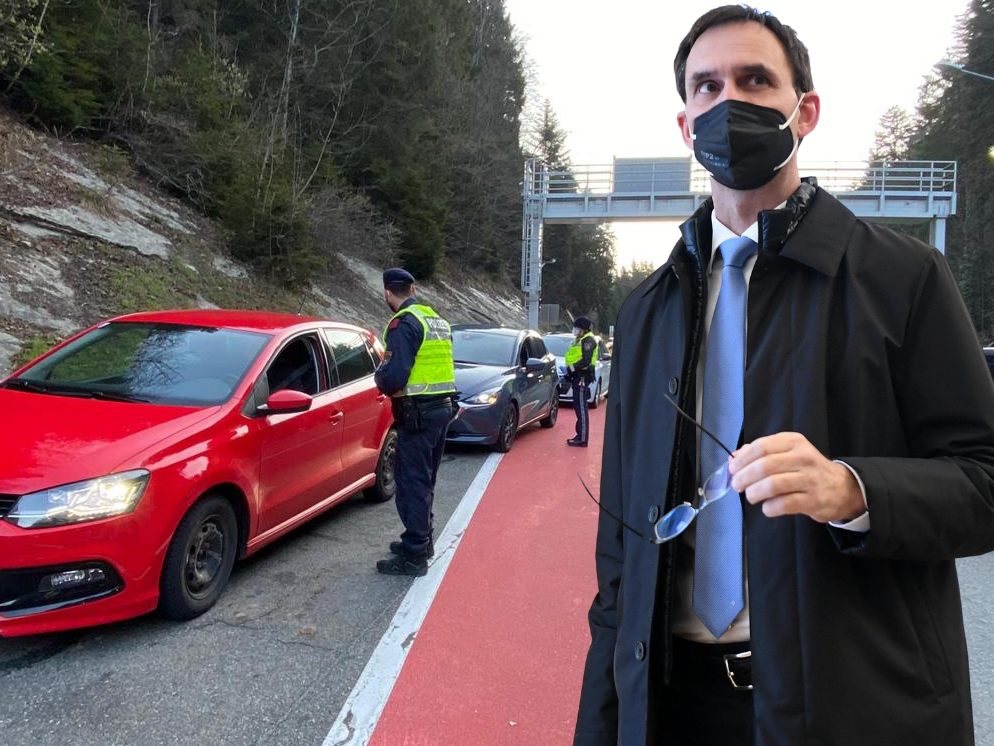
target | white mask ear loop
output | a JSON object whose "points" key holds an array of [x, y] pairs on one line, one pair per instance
{"points": [[793, 114], [796, 140]]}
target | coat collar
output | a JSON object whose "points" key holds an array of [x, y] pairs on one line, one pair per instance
{"points": [[783, 232]]}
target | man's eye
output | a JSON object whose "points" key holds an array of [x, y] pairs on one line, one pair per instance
{"points": [[758, 80], [708, 86]]}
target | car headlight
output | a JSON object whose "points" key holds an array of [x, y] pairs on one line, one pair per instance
{"points": [[115, 494], [484, 397]]}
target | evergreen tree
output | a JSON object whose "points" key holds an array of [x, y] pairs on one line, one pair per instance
{"points": [[582, 279], [957, 119]]}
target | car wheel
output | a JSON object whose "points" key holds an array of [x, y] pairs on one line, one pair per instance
{"points": [[550, 419], [508, 429], [199, 559], [597, 395], [386, 483]]}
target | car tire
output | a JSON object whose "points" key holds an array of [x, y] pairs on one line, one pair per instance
{"points": [[507, 430], [597, 395], [199, 559], [550, 419], [385, 487]]}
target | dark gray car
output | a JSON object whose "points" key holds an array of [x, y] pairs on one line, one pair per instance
{"points": [[506, 379]]}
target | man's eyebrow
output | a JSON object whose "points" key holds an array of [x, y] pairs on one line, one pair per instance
{"points": [[757, 68]]}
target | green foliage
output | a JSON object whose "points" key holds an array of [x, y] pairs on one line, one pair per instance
{"points": [[151, 287], [251, 109], [956, 117], [31, 349], [19, 31], [83, 67]]}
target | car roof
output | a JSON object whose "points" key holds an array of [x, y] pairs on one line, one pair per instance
{"points": [[243, 320], [501, 330]]}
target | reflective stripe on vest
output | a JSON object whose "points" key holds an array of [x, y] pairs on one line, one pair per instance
{"points": [[433, 371], [575, 351]]}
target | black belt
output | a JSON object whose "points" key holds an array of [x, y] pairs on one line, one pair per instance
{"points": [[717, 665]]}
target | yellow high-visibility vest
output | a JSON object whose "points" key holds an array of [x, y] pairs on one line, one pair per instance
{"points": [[434, 371], [575, 351]]}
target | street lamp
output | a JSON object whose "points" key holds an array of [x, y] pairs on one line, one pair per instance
{"points": [[957, 66]]}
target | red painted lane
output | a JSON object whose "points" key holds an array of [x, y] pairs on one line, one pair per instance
{"points": [[499, 657]]}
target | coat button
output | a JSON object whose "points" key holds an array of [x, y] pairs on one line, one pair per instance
{"points": [[639, 650], [674, 385], [653, 514]]}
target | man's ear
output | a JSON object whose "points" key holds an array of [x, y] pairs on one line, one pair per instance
{"points": [[684, 125], [808, 114]]}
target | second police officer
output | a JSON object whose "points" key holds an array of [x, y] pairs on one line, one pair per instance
{"points": [[419, 374], [581, 359]]}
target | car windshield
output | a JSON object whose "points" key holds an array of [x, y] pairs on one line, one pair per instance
{"points": [[483, 347], [157, 363], [558, 345]]}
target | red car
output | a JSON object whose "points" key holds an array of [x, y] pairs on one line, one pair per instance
{"points": [[144, 455]]}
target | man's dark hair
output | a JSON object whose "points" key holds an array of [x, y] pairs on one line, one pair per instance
{"points": [[797, 53]]}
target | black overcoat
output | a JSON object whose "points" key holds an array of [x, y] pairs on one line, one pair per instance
{"points": [[858, 339]]}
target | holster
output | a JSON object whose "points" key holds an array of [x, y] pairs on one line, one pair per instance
{"points": [[407, 414]]}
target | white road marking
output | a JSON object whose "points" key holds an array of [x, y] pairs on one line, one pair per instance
{"points": [[361, 711]]}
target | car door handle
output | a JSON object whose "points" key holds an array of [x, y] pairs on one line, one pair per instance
{"points": [[336, 417]]}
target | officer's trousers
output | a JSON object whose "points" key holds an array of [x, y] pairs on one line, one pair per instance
{"points": [[580, 407], [418, 455]]}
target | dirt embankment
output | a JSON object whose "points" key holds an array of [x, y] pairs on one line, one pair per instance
{"points": [[83, 237]]}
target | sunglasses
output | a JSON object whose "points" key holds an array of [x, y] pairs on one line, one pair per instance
{"points": [[674, 522]]}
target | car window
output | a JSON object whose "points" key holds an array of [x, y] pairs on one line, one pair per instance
{"points": [[525, 353], [351, 354], [296, 367], [558, 345], [159, 363], [484, 347], [538, 347]]}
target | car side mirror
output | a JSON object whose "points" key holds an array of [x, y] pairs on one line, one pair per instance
{"points": [[535, 365], [286, 401]]}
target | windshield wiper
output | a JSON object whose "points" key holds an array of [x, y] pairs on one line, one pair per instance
{"points": [[26, 385], [113, 396]]}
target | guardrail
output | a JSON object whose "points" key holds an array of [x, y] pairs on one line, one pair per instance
{"points": [[670, 176]]}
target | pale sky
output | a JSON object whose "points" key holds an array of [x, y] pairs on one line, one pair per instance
{"points": [[606, 66]]}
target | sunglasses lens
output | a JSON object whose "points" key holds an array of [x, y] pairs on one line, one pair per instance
{"points": [[719, 483], [675, 522]]}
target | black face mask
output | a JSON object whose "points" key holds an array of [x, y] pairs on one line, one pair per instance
{"points": [[743, 145]]}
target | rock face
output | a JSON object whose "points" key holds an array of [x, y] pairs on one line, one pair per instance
{"points": [[83, 238]]}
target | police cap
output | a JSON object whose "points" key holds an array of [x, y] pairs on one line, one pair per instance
{"points": [[397, 277], [582, 322]]}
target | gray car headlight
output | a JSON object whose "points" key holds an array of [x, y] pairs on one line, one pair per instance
{"points": [[484, 398], [103, 497]]}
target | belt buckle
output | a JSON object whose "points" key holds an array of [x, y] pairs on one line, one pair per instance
{"points": [[730, 659]]}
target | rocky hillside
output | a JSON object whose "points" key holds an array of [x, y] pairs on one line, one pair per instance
{"points": [[83, 237]]}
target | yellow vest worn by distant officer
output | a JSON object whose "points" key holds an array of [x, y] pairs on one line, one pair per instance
{"points": [[575, 351], [433, 371]]}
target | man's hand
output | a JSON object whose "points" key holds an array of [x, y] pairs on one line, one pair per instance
{"points": [[788, 476]]}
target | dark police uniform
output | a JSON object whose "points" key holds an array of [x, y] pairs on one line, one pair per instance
{"points": [[581, 376], [422, 405]]}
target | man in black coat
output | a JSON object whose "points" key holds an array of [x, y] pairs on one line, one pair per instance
{"points": [[865, 464]]}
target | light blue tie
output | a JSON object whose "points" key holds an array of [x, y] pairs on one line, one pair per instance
{"points": [[718, 583]]}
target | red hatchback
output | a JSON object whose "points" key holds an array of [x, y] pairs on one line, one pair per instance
{"points": [[144, 455]]}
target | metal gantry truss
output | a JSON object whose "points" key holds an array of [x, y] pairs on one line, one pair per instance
{"points": [[643, 189]]}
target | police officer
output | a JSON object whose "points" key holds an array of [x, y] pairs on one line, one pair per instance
{"points": [[581, 358], [418, 373]]}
